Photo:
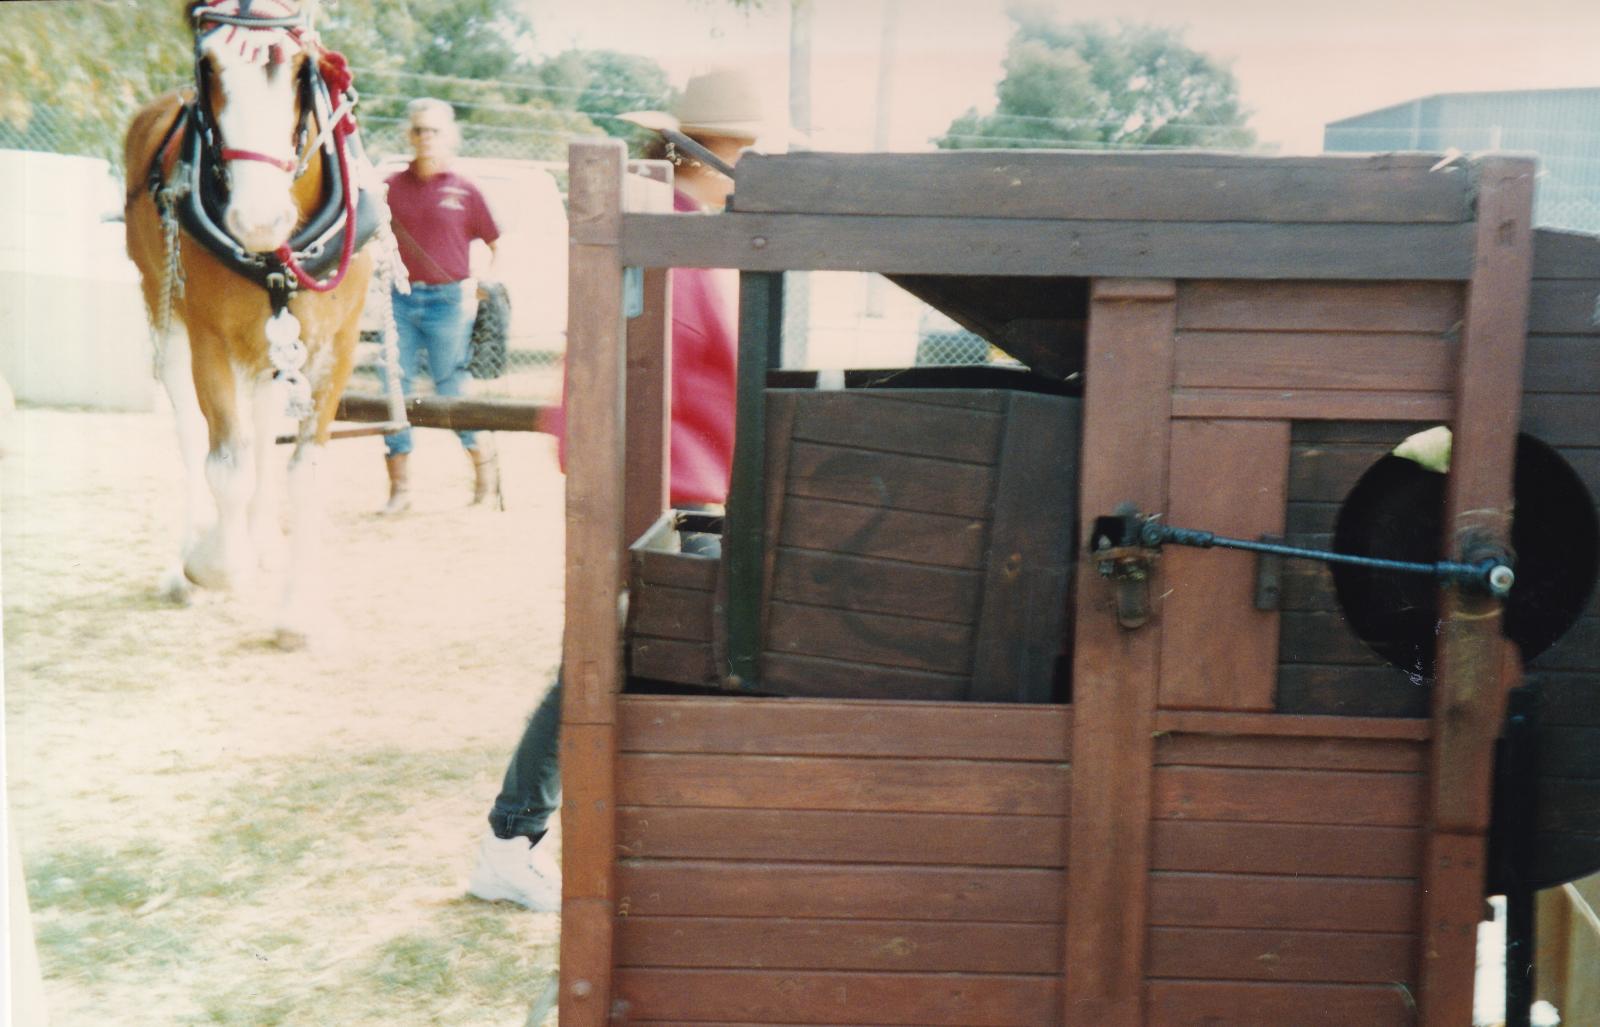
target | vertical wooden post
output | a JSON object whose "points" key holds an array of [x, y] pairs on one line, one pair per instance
{"points": [[1126, 427], [1476, 665], [592, 651], [649, 385], [760, 342]]}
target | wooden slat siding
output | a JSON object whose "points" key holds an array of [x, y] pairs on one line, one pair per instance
{"points": [[821, 678], [1557, 307], [1327, 473], [1217, 650], [782, 410], [666, 659], [1378, 905], [1578, 649], [1586, 462], [1565, 699], [1267, 725], [895, 946], [1114, 672], [676, 613], [1361, 754], [654, 887], [1324, 956], [1386, 362], [1309, 517], [1569, 805], [1342, 308], [1039, 247], [1324, 638], [882, 422], [592, 650], [873, 638], [1198, 187], [1310, 404], [1324, 850], [778, 997], [649, 376], [1562, 419], [1288, 796], [1475, 663], [923, 538], [810, 836], [675, 570], [1562, 363], [819, 727], [841, 783], [876, 586], [891, 480], [1564, 254], [1254, 1004], [1350, 691], [1019, 637], [1307, 585]]}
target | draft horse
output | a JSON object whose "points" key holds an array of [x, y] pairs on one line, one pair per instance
{"points": [[247, 227]]}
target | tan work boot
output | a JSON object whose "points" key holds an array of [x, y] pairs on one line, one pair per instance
{"points": [[486, 475], [399, 484]]}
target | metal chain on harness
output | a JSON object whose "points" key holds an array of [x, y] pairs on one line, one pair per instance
{"points": [[172, 191]]}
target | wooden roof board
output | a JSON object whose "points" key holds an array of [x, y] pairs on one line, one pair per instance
{"points": [[1181, 186]]}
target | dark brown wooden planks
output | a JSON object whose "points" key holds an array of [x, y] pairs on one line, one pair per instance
{"points": [[1157, 187]]}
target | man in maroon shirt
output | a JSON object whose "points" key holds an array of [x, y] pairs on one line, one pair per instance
{"points": [[436, 214]]}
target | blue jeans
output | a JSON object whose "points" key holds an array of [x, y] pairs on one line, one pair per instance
{"points": [[531, 791], [433, 318]]}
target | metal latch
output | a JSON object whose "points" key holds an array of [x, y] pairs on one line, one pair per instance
{"points": [[1117, 540]]}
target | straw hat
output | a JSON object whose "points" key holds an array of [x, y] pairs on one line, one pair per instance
{"points": [[724, 103]]}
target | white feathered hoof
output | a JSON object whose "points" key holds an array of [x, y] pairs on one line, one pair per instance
{"points": [[174, 586], [211, 565], [291, 640]]}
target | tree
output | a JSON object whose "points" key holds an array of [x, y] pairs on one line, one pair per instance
{"points": [[1086, 85], [605, 83]]}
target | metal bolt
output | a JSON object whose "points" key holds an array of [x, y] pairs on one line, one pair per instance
{"points": [[1501, 578], [759, 242], [582, 988]]}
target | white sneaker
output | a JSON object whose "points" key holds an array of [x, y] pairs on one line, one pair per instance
{"points": [[512, 870]]}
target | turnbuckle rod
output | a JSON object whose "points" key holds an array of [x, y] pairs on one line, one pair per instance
{"points": [[1491, 574]]}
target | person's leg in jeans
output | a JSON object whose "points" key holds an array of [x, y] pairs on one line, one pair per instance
{"points": [[407, 308], [449, 333], [512, 865], [531, 791]]}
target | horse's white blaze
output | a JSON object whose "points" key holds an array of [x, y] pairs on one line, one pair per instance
{"points": [[259, 116]]}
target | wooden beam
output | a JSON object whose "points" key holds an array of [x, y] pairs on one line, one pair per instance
{"points": [[1476, 665], [649, 385], [1033, 246], [1125, 434], [1152, 187], [451, 412], [595, 564], [744, 543]]}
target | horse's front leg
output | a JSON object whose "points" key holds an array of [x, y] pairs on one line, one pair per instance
{"points": [[177, 376], [266, 526], [221, 557], [303, 613]]}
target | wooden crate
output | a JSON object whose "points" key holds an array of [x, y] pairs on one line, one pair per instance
{"points": [[919, 544]]}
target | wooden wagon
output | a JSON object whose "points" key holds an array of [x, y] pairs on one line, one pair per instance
{"points": [[916, 750]]}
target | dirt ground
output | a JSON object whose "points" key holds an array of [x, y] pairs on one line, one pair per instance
{"points": [[215, 831]]}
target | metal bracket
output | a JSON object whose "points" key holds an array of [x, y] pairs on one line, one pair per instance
{"points": [[1126, 562]]}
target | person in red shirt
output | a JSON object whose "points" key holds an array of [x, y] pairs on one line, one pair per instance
{"points": [[436, 214], [722, 112]]}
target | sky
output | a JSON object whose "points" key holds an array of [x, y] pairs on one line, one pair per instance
{"points": [[1298, 65]]}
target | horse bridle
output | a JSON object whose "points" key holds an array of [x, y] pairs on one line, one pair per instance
{"points": [[210, 19]]}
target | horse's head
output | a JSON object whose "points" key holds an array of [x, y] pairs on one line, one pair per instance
{"points": [[251, 61]]}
